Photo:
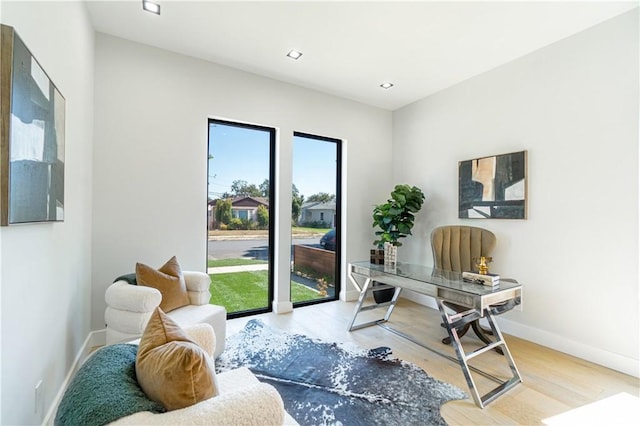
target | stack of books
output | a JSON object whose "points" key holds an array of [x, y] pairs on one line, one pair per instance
{"points": [[487, 279]]}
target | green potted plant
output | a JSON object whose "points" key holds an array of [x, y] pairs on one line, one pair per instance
{"points": [[393, 221]]}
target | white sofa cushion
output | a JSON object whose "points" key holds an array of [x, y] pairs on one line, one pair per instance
{"points": [[126, 322], [214, 315], [129, 297]]}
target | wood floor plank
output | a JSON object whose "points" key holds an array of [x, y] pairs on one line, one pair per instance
{"points": [[553, 382]]}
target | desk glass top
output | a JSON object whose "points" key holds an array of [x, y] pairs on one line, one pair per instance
{"points": [[427, 275]]}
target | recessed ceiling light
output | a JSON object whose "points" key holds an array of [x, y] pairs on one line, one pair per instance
{"points": [[386, 85], [151, 7], [294, 54]]}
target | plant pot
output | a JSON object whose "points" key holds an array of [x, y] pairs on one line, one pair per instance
{"points": [[390, 254], [382, 296]]}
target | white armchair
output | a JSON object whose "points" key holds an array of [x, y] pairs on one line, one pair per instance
{"points": [[130, 306]]}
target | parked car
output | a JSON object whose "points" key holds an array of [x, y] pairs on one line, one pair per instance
{"points": [[328, 240]]}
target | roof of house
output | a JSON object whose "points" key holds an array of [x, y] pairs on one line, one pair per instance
{"points": [[249, 201], [244, 201], [319, 206]]}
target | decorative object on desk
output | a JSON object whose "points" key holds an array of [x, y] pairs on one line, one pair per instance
{"points": [[377, 257], [324, 383], [394, 220], [32, 111], [479, 278], [482, 264], [493, 187], [390, 254]]}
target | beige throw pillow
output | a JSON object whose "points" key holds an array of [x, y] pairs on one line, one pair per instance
{"points": [[168, 280], [171, 369]]}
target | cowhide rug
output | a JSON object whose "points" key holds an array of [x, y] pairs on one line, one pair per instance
{"points": [[323, 383]]}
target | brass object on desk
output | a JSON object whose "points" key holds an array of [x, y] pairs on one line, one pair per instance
{"points": [[481, 263]]}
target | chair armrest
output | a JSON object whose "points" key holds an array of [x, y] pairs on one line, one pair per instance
{"points": [[196, 281], [134, 298], [203, 335], [258, 404], [197, 287]]}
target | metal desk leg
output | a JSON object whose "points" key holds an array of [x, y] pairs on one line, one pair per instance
{"points": [[496, 332], [367, 288], [363, 294], [504, 386]]}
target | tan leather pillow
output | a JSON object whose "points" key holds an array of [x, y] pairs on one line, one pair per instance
{"points": [[168, 280], [171, 369]]}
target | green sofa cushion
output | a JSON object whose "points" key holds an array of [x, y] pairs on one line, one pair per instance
{"points": [[105, 389]]}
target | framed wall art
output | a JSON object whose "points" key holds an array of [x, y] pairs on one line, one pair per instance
{"points": [[32, 136], [493, 187]]}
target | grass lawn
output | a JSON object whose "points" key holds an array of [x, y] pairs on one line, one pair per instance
{"points": [[302, 230], [241, 291]]}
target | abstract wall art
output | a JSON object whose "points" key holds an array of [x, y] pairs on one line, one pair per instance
{"points": [[493, 187], [32, 136]]}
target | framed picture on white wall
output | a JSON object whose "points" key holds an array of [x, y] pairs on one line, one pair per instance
{"points": [[493, 187], [32, 136]]}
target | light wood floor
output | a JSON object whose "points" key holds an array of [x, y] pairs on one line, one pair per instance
{"points": [[553, 382]]}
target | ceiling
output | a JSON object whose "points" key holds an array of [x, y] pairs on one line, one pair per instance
{"points": [[350, 48]]}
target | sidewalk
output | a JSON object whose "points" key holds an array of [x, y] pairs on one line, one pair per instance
{"points": [[239, 268]]}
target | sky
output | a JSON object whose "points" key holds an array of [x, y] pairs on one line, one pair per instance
{"points": [[243, 154]]}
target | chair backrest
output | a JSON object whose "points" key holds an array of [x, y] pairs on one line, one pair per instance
{"points": [[454, 247]]}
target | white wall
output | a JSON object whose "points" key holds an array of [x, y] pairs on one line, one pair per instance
{"points": [[151, 148], [1, 292], [574, 107], [45, 268]]}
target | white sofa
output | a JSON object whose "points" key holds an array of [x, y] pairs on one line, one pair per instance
{"points": [[130, 306], [242, 399]]}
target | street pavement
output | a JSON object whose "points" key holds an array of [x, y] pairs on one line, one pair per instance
{"points": [[250, 248]]}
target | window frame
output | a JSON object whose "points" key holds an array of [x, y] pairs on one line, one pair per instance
{"points": [[272, 131], [337, 223]]}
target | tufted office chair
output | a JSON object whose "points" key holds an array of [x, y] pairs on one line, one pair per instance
{"points": [[454, 248]]}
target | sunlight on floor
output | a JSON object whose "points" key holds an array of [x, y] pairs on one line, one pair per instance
{"points": [[619, 409]]}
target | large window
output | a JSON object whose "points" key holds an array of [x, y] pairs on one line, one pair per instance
{"points": [[316, 231], [240, 216]]}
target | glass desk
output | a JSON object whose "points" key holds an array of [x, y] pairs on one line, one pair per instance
{"points": [[445, 287]]}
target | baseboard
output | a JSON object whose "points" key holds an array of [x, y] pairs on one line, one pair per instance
{"points": [[598, 356], [589, 353], [94, 338], [98, 338], [419, 298], [349, 295], [282, 307]]}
